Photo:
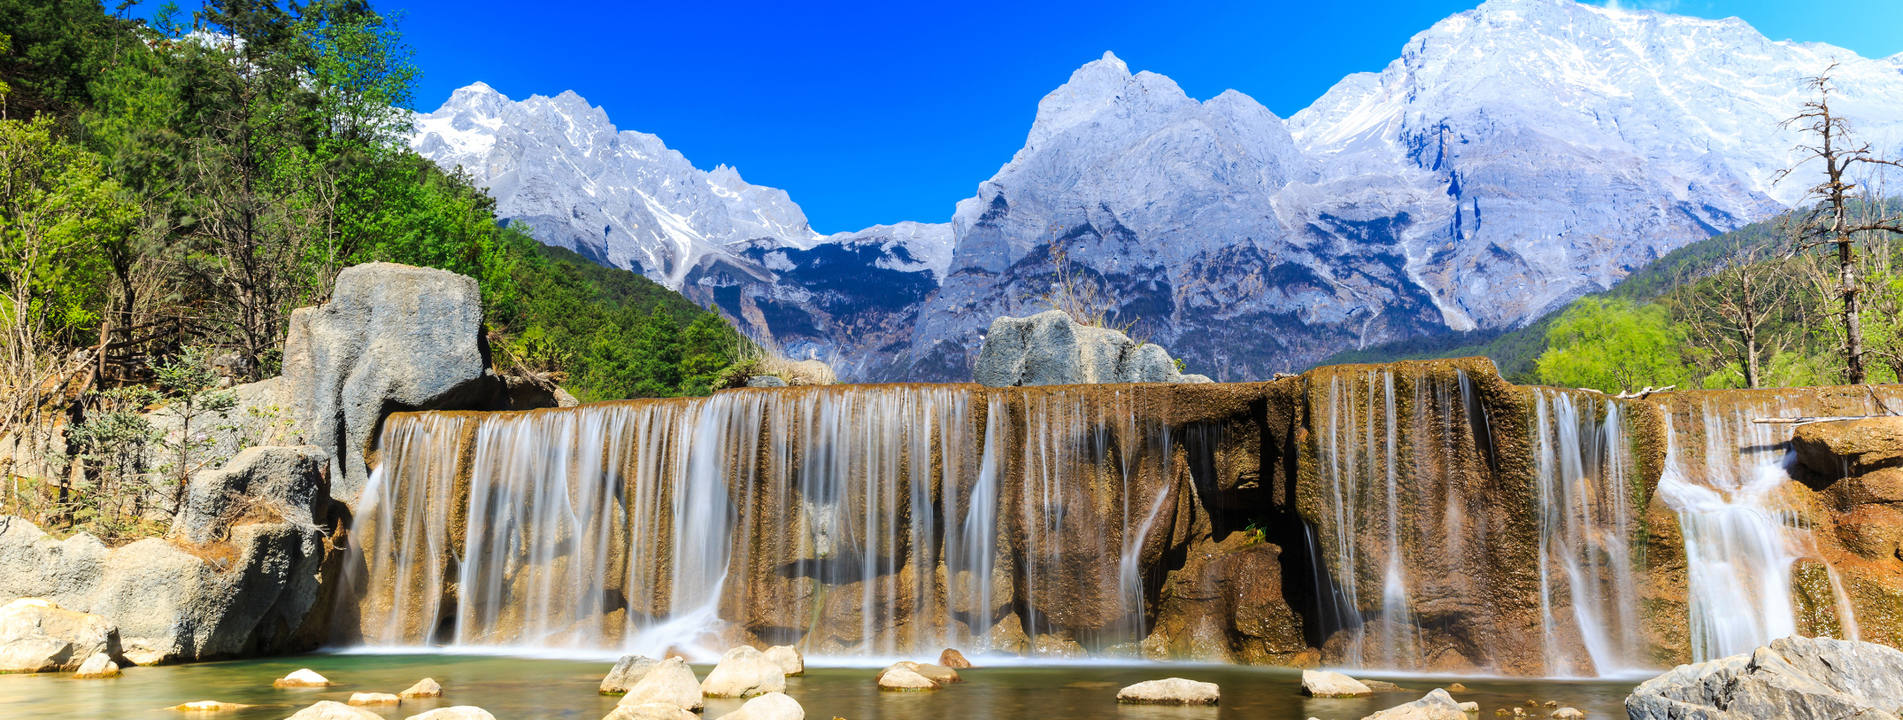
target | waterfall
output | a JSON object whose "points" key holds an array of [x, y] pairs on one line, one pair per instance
{"points": [[863, 521], [1585, 534]]}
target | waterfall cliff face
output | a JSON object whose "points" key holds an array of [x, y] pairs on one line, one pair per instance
{"points": [[1414, 516]]}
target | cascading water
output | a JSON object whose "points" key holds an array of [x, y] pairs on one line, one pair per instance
{"points": [[1586, 534], [863, 521]]}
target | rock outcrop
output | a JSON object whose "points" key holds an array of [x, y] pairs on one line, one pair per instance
{"points": [[1050, 348], [1794, 678], [1225, 605], [392, 337], [40, 636], [268, 484], [1171, 691]]}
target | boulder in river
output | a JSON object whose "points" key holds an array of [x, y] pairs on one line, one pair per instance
{"points": [[1171, 691], [1436, 705], [1794, 678], [302, 678], [904, 679], [99, 666], [1331, 684], [207, 706], [374, 698], [670, 681], [789, 659], [771, 706], [651, 711], [1050, 348], [454, 712], [37, 635], [333, 710], [953, 659], [424, 688], [626, 672], [743, 672]]}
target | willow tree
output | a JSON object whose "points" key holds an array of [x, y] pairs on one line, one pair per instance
{"points": [[1842, 211]]}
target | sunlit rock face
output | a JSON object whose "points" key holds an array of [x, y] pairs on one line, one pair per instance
{"points": [[1510, 159]]}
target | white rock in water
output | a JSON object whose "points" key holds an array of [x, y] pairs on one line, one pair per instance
{"points": [[626, 672], [98, 666], [374, 698], [303, 677], [424, 688], [743, 672], [1793, 678], [1171, 691], [671, 682], [333, 710], [454, 712], [37, 635], [771, 706], [1436, 705], [789, 658], [899, 678], [207, 706], [1328, 683], [650, 711]]}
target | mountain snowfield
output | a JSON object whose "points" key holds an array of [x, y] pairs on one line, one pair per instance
{"points": [[1512, 158]]}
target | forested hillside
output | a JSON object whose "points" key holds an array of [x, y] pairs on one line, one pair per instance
{"points": [[188, 181]]}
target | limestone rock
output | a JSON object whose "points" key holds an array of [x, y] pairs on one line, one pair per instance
{"points": [[374, 698], [1796, 678], [627, 671], [1567, 713], [278, 483], [392, 337], [938, 674], [670, 681], [903, 679], [37, 635], [333, 710], [454, 712], [1849, 447], [1328, 683], [170, 604], [1171, 691], [743, 672], [99, 666], [771, 706], [765, 381], [651, 711], [789, 659], [302, 677], [1436, 705], [953, 659], [207, 706], [424, 688], [1050, 348]]}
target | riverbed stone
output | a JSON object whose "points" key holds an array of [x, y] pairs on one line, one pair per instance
{"points": [[1568, 713], [670, 681], [1796, 678], [771, 706], [791, 662], [953, 659], [743, 672], [374, 698], [651, 711], [424, 688], [1050, 348], [207, 706], [626, 672], [454, 712], [1171, 691], [904, 679], [37, 635], [99, 666], [1328, 683], [302, 678], [1436, 705], [333, 710]]}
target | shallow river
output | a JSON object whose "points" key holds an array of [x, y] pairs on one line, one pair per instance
{"points": [[521, 689]]}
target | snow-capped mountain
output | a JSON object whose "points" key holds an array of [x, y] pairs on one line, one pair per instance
{"points": [[1513, 157]]}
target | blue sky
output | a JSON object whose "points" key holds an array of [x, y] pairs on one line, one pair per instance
{"points": [[878, 112]]}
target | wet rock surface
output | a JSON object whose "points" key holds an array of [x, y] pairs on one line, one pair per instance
{"points": [[1436, 705], [1797, 678], [37, 635], [1171, 691], [1050, 348]]}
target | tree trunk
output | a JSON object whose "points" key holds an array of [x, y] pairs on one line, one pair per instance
{"points": [[1853, 324]]}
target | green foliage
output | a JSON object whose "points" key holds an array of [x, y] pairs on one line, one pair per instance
{"points": [[1612, 345]]}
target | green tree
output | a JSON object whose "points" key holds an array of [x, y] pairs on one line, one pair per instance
{"points": [[1612, 345], [708, 347]]}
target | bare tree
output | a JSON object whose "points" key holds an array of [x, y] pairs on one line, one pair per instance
{"points": [[1728, 310], [1831, 220]]}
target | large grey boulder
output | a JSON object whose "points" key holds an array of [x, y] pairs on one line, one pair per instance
{"points": [[290, 484], [1050, 348], [39, 636], [392, 338], [251, 594], [1794, 678], [1436, 705]]}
